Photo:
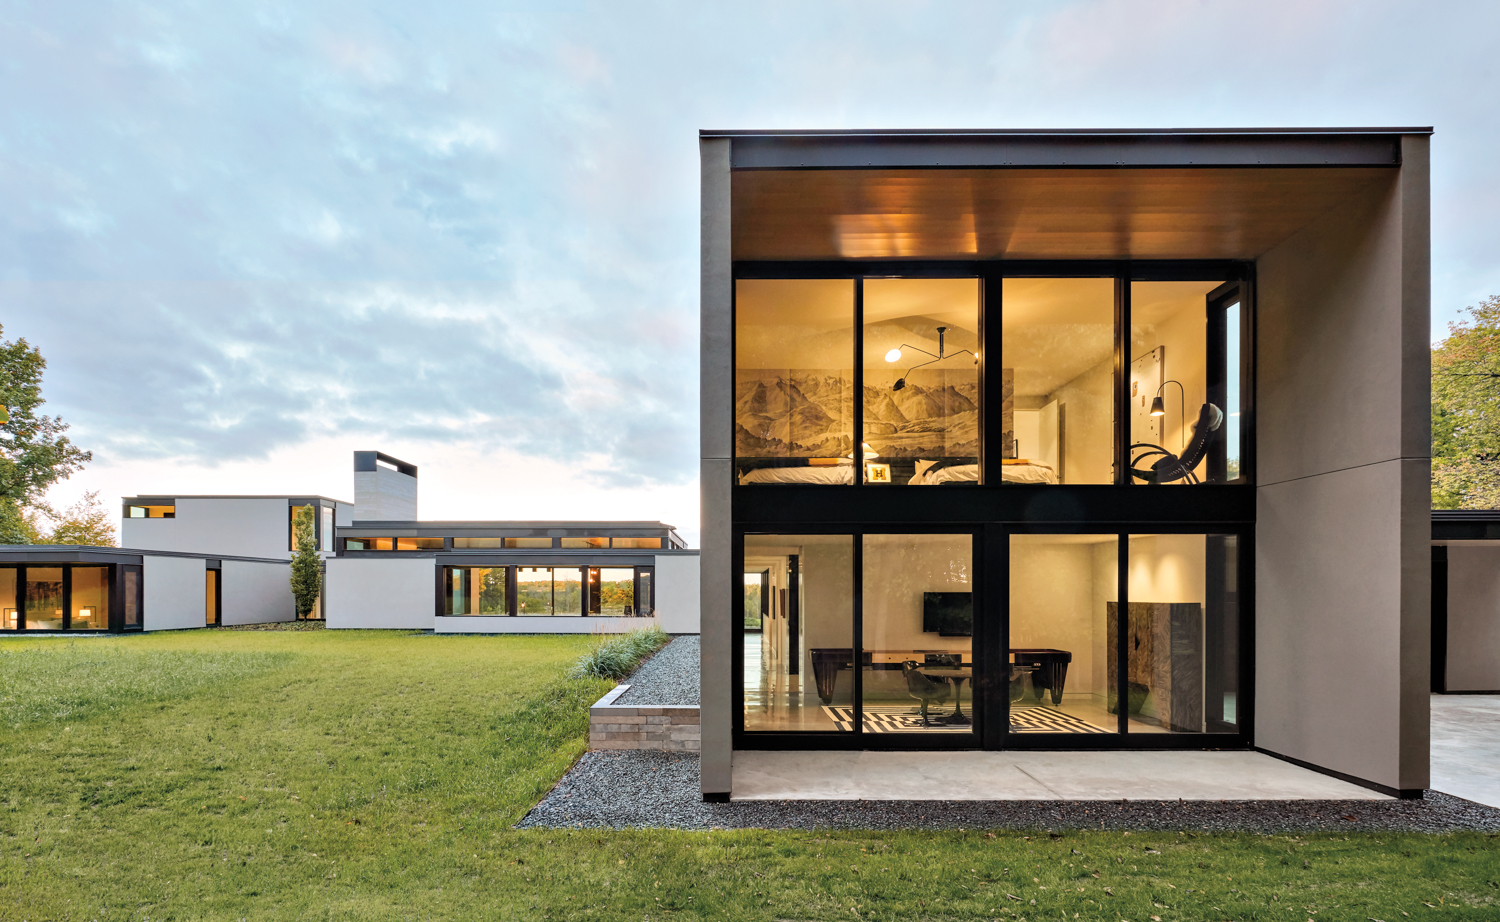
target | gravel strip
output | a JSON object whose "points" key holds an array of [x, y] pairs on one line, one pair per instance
{"points": [[643, 789], [668, 678]]}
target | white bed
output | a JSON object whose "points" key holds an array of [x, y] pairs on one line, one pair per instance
{"points": [[824, 474], [1030, 472]]}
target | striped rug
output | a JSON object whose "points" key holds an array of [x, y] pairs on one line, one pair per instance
{"points": [[907, 719]]}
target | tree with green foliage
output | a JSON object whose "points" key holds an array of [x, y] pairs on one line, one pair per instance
{"points": [[1466, 411], [307, 566], [34, 452]]}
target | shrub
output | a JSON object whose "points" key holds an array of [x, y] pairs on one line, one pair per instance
{"points": [[617, 656]]}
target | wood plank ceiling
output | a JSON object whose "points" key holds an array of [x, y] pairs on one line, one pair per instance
{"points": [[1164, 213]]}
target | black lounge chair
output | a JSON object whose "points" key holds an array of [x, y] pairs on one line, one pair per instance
{"points": [[1169, 467], [925, 689]]}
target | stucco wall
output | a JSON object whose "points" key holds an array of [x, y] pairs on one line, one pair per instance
{"points": [[1343, 522], [389, 593], [256, 593], [176, 593], [1473, 618], [677, 593], [231, 527]]}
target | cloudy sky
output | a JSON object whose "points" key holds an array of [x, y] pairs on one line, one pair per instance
{"points": [[251, 238]]}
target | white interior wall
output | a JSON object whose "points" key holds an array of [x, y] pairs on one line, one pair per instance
{"points": [[1087, 403], [175, 593]]}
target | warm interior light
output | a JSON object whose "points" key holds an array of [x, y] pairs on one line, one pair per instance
{"points": [[893, 356], [1156, 406]]}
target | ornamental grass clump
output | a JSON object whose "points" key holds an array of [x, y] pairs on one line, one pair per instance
{"points": [[616, 657]]}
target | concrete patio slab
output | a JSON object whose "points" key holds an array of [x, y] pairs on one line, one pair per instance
{"points": [[1032, 776], [1466, 747]]}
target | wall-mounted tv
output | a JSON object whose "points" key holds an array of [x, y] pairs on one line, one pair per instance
{"points": [[950, 614]]}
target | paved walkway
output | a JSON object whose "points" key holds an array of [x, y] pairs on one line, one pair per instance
{"points": [[1071, 776], [1466, 747]]}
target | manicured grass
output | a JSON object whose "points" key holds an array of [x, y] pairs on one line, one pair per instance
{"points": [[354, 775]]}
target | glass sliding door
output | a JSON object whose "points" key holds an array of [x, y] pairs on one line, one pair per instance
{"points": [[794, 381], [799, 668], [921, 403], [1057, 372], [1182, 647], [1062, 590], [917, 614]]}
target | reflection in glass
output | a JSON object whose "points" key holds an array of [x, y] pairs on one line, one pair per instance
{"points": [[645, 600], [918, 615], [585, 542], [1232, 411], [132, 599], [44, 598], [549, 590], [528, 542], [327, 543], [612, 591], [419, 544], [8, 610], [478, 542], [1062, 588], [1169, 360], [798, 668], [921, 381], [1182, 651], [210, 596], [476, 591], [639, 543], [1057, 377], [794, 381]]}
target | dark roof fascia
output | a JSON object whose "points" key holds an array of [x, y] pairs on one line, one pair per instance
{"points": [[364, 462], [471, 526], [1077, 148], [63, 553], [155, 499], [1465, 524]]}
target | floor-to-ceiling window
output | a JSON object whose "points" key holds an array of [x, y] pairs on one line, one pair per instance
{"points": [[1044, 392]]}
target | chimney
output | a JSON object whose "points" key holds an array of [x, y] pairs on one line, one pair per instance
{"points": [[385, 488]]}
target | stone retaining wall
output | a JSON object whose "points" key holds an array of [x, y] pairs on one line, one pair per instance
{"points": [[616, 726]]}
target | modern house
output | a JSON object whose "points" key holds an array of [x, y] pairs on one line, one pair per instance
{"points": [[392, 570], [1067, 440], [1466, 601]]}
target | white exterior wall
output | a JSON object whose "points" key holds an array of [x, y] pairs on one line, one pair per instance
{"points": [[256, 593], [176, 593], [231, 527], [376, 593], [677, 593], [384, 495]]}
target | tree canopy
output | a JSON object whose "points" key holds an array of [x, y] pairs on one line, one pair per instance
{"points": [[34, 451], [1466, 411]]}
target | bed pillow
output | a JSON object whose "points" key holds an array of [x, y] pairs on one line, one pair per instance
{"points": [[922, 467]]}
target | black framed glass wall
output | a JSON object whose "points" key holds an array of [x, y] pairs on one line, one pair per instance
{"points": [[57, 597], [504, 591], [1107, 374]]}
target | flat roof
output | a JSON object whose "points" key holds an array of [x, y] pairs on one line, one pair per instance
{"points": [[1465, 524], [88, 553], [1063, 148], [427, 523], [146, 498]]}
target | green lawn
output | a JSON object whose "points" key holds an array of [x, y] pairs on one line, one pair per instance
{"points": [[352, 775]]}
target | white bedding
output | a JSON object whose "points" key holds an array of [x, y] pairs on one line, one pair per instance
{"points": [[1032, 472], [831, 474]]}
